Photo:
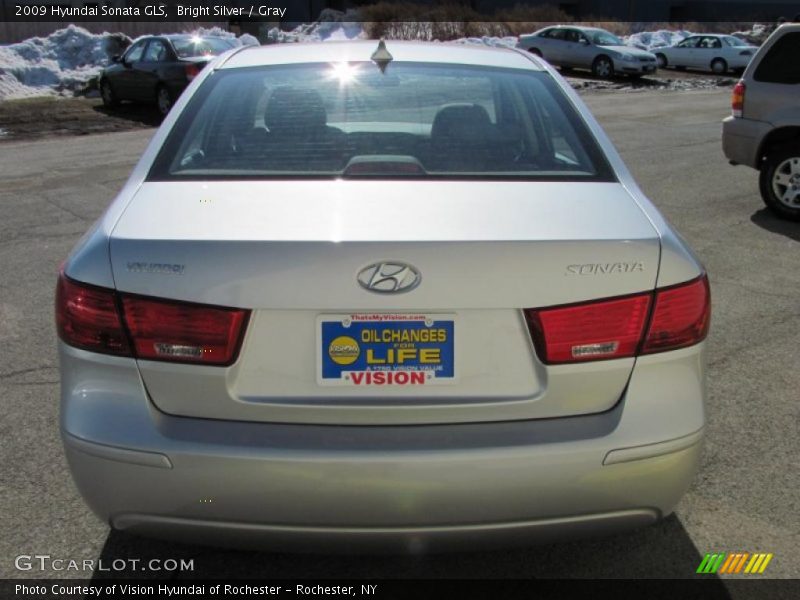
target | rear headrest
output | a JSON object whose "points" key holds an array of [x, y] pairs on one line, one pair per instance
{"points": [[461, 122], [290, 108]]}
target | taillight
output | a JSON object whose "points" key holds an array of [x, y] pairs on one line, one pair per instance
{"points": [[193, 70], [681, 317], [618, 327], [87, 317], [101, 320], [589, 331], [737, 99], [179, 331]]}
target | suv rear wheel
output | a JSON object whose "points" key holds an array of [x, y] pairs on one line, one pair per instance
{"points": [[780, 182]]}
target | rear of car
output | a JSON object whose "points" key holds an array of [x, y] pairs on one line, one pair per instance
{"points": [[737, 54], [402, 298], [763, 131]]}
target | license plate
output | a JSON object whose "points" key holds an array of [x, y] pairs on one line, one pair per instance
{"points": [[649, 69], [368, 350]]}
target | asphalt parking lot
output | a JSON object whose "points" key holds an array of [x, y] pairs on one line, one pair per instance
{"points": [[743, 499]]}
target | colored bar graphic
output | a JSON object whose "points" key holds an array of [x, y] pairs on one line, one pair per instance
{"points": [[727, 563], [738, 566], [711, 563], [734, 563], [764, 564]]}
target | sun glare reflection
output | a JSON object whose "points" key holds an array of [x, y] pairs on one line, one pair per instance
{"points": [[344, 72]]}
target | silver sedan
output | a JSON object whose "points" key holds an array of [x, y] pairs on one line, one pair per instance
{"points": [[588, 48], [403, 296], [709, 52]]}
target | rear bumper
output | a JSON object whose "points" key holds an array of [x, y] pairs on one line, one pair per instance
{"points": [[368, 488], [741, 140], [370, 540], [623, 66]]}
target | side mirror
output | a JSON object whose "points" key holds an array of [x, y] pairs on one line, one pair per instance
{"points": [[584, 41], [115, 58]]}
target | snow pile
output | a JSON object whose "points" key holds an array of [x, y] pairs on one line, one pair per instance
{"points": [[647, 40], [243, 40], [757, 34], [332, 25], [64, 60], [488, 40]]}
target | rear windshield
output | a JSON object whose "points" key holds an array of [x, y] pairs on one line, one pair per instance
{"points": [[352, 120], [189, 47], [734, 41]]}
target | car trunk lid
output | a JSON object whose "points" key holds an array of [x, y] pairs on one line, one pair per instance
{"points": [[292, 251]]}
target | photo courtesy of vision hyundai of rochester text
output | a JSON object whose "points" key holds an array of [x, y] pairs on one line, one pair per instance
{"points": [[370, 295]]}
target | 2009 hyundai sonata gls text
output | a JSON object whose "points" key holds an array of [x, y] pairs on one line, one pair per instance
{"points": [[395, 296]]}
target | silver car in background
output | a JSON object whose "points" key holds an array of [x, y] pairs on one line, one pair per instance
{"points": [[404, 297], [709, 52], [588, 48]]}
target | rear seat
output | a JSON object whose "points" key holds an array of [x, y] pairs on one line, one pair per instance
{"points": [[463, 138], [298, 136]]}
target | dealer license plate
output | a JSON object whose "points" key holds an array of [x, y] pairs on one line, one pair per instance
{"points": [[385, 349]]}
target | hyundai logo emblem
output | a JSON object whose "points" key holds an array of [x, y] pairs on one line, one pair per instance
{"points": [[389, 277]]}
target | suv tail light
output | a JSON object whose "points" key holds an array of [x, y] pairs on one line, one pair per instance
{"points": [[737, 99], [666, 319], [105, 321]]}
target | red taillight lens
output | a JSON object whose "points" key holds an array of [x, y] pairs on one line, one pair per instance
{"points": [[591, 331], [615, 328], [183, 332], [193, 70], [87, 318], [737, 99], [96, 319], [681, 317]]}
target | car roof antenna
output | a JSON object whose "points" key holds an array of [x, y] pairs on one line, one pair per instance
{"points": [[381, 56]]}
